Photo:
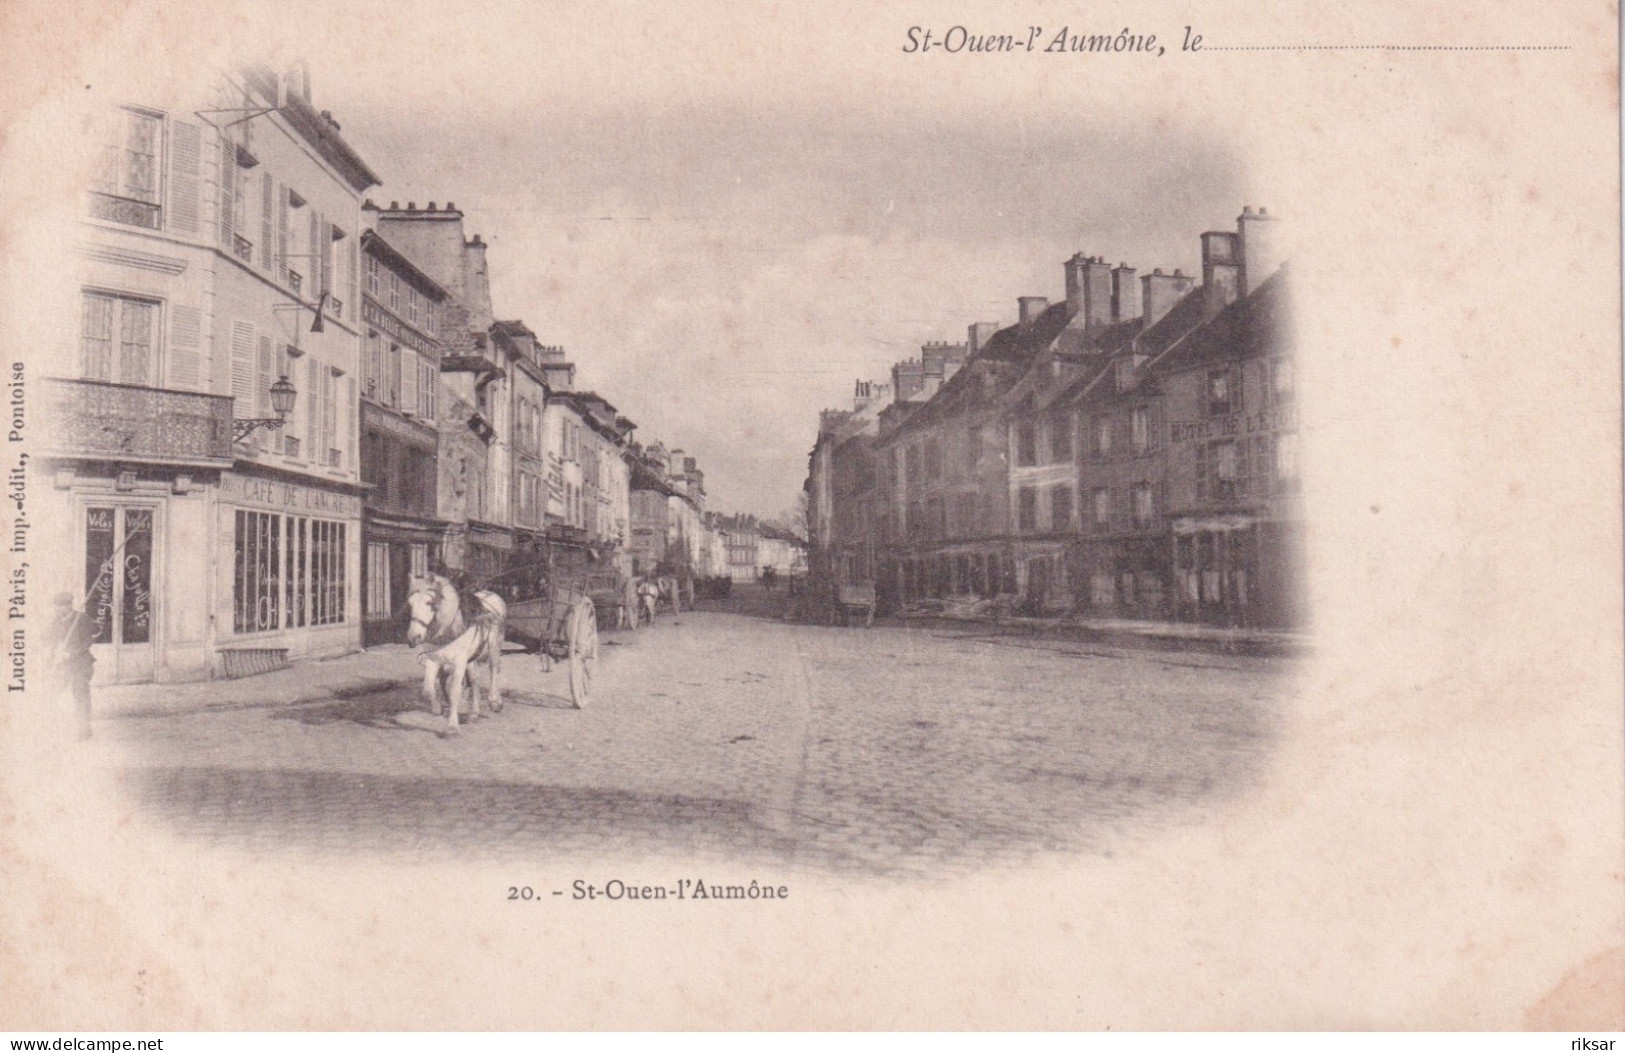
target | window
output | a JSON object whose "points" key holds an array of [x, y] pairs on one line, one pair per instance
{"points": [[118, 339], [1140, 429], [1144, 509], [973, 447], [1102, 436], [394, 292], [1224, 470], [374, 365], [1124, 375], [1102, 505], [933, 459], [431, 318], [378, 605], [1060, 437], [420, 558], [1060, 505], [428, 380], [372, 276], [118, 574], [1027, 508], [1286, 456], [912, 465], [125, 188], [412, 304], [1279, 381], [1026, 444], [1222, 394], [392, 386]]}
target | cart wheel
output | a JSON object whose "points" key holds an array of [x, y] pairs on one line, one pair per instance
{"points": [[583, 643]]}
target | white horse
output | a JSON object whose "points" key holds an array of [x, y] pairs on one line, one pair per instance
{"points": [[437, 619]]}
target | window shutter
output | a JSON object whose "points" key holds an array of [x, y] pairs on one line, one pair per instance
{"points": [[1201, 469], [1244, 482], [330, 383], [262, 389], [313, 395], [224, 178], [347, 443], [324, 246], [282, 232], [267, 219], [185, 158], [351, 275], [313, 262], [242, 368], [185, 335], [409, 381]]}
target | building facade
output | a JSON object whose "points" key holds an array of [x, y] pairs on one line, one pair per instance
{"points": [[207, 448], [404, 534]]}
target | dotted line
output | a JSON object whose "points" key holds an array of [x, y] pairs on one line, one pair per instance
{"points": [[1388, 47]]}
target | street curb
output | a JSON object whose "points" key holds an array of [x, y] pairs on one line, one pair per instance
{"points": [[354, 688]]}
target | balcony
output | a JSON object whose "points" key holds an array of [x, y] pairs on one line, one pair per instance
{"points": [[94, 419]]}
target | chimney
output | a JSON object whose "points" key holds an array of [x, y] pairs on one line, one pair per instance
{"points": [[977, 335], [1161, 291], [1030, 307], [1261, 250], [1125, 294], [1088, 292], [1221, 270], [908, 380]]}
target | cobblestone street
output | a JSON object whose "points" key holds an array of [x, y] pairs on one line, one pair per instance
{"points": [[889, 750]]}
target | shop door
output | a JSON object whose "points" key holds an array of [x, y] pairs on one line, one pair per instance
{"points": [[119, 599]]}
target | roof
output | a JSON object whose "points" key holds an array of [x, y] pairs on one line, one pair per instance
{"points": [[1253, 325], [319, 131], [1000, 357], [376, 244]]}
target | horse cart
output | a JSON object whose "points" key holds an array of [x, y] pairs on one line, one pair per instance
{"points": [[852, 599], [561, 625]]}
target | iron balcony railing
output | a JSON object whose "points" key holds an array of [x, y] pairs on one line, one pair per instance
{"points": [[92, 418]]}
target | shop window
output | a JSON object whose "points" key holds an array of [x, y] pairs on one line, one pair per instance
{"points": [[288, 571], [378, 605]]}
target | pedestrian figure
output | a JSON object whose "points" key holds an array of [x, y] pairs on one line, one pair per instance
{"points": [[70, 636]]}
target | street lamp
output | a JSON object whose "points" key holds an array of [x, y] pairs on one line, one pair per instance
{"points": [[283, 395]]}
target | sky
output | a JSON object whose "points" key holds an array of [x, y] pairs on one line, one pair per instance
{"points": [[730, 214]]}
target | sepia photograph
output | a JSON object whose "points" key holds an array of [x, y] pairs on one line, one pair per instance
{"points": [[800, 518]]}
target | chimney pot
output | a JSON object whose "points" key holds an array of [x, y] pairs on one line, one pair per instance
{"points": [[411, 206], [450, 207], [394, 206], [1246, 210], [432, 208], [1262, 211]]}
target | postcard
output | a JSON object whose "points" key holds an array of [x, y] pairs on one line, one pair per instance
{"points": [[1024, 515]]}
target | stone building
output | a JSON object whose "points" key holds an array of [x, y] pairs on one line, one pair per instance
{"points": [[477, 479], [401, 406], [1129, 451], [206, 450]]}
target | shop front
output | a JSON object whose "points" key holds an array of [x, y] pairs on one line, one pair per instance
{"points": [[398, 549], [291, 585]]}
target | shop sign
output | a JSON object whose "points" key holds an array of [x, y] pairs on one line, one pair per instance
{"points": [[287, 497]]}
